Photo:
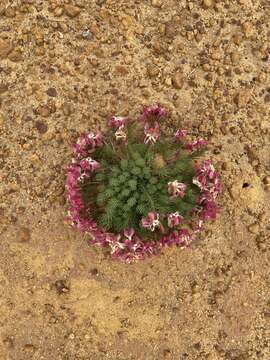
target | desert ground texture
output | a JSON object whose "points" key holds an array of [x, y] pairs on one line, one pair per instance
{"points": [[65, 66]]}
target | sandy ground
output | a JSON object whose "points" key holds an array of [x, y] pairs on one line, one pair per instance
{"points": [[63, 68]]}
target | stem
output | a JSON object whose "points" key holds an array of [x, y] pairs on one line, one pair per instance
{"points": [[129, 150], [152, 203]]}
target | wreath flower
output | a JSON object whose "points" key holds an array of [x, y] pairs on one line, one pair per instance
{"points": [[137, 189]]}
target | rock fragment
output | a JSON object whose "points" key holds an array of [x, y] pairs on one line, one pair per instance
{"points": [[72, 10], [52, 92], [5, 48], [24, 234], [242, 98], [254, 228], [41, 127], [207, 4], [178, 80], [61, 286]]}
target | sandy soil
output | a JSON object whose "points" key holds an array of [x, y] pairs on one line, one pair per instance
{"points": [[63, 68]]}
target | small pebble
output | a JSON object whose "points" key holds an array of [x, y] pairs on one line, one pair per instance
{"points": [[67, 109], [171, 29], [167, 354], [15, 56], [247, 28], [58, 11], [254, 228], [52, 92], [24, 234], [5, 48], [29, 348], [3, 88], [2, 119], [94, 271], [43, 110], [72, 10], [235, 57], [237, 38], [267, 98], [100, 2], [157, 3], [87, 35], [267, 187], [41, 127], [178, 80], [216, 54], [242, 98], [61, 286], [152, 71], [208, 4]]}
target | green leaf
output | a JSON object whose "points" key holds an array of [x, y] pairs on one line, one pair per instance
{"points": [[99, 176], [121, 179], [132, 201], [153, 180], [114, 182], [135, 155], [125, 192], [124, 164], [108, 193], [140, 162], [136, 170], [132, 184]]}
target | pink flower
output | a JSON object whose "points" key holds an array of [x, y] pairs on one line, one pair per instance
{"points": [[95, 139], [73, 172], [83, 176], [86, 143], [134, 249], [154, 111], [116, 122], [179, 238], [120, 134], [99, 237], [207, 168], [151, 222], [129, 233], [185, 236], [174, 219], [210, 210], [199, 227], [208, 180], [177, 189], [89, 164], [180, 133], [196, 145], [151, 134]]}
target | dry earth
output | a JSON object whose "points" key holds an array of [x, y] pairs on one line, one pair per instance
{"points": [[65, 66]]}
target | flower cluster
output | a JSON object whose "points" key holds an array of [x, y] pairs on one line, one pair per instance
{"points": [[155, 111], [196, 145], [208, 180], [86, 143], [177, 189], [118, 123], [120, 197], [174, 219], [152, 134], [151, 222], [180, 134]]}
